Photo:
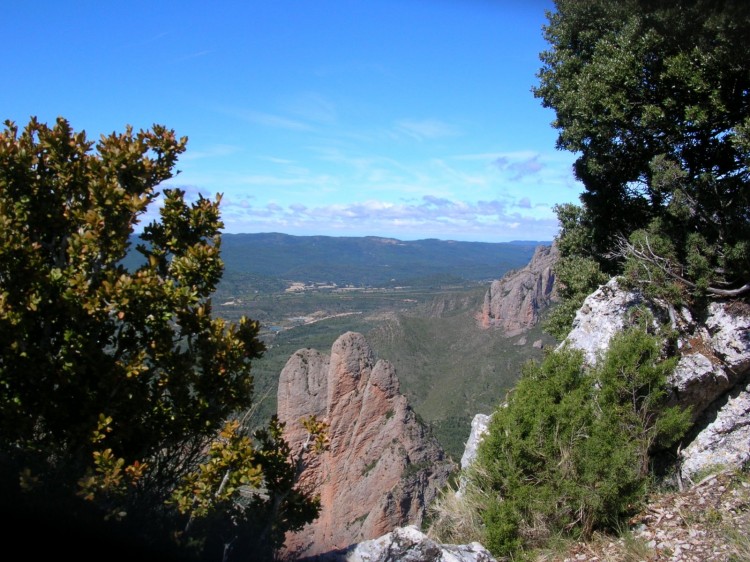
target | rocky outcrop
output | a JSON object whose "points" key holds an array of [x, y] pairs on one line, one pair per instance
{"points": [[725, 441], [604, 313], [514, 303], [382, 468], [711, 376], [479, 427], [407, 544]]}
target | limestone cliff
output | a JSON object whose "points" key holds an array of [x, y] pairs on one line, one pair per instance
{"points": [[712, 375], [514, 303], [382, 468]]}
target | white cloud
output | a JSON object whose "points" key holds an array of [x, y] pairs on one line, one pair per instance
{"points": [[430, 216]]}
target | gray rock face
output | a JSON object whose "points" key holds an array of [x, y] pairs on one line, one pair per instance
{"points": [[382, 469], [407, 544], [602, 315], [726, 440], [711, 375], [697, 381], [729, 334], [478, 428], [513, 304]]}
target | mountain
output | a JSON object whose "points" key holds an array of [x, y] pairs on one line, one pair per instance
{"points": [[515, 303], [370, 260], [382, 468]]}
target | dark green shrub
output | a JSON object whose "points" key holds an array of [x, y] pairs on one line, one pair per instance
{"points": [[570, 451]]}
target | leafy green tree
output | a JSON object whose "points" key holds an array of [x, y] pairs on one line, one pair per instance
{"points": [[654, 98], [578, 271], [570, 450], [114, 383]]}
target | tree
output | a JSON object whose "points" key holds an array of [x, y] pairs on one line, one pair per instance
{"points": [[114, 383], [654, 98]]}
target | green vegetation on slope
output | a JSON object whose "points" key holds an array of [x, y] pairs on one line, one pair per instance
{"points": [[451, 369], [570, 451], [371, 261]]}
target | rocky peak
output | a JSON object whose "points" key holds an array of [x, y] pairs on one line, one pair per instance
{"points": [[382, 468], [514, 303]]}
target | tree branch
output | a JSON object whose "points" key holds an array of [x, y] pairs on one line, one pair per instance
{"points": [[645, 254]]}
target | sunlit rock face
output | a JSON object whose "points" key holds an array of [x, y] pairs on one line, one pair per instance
{"points": [[407, 544], [514, 303], [711, 377], [382, 468]]}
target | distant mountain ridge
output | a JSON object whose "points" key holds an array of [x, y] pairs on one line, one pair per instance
{"points": [[370, 260]]}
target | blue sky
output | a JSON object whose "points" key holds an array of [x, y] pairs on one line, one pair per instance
{"points": [[402, 118]]}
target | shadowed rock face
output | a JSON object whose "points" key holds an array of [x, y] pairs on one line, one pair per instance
{"points": [[382, 468], [514, 303]]}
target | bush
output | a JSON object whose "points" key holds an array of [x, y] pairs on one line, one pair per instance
{"points": [[116, 383], [570, 451]]}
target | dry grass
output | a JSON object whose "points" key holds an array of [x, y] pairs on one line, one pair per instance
{"points": [[739, 545], [623, 548], [455, 516]]}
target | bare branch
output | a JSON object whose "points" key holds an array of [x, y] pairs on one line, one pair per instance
{"points": [[646, 255]]}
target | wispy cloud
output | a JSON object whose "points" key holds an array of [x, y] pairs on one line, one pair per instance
{"points": [[526, 165], [276, 160], [312, 106], [265, 119], [193, 55], [214, 151], [425, 129], [499, 157]]}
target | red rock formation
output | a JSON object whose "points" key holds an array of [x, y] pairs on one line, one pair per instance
{"points": [[382, 469], [514, 303]]}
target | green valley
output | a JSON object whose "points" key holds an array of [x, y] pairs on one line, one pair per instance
{"points": [[449, 367]]}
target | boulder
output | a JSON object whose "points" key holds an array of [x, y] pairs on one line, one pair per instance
{"points": [[406, 544], [725, 441], [601, 316]]}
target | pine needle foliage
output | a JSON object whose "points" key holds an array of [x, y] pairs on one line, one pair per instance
{"points": [[569, 452]]}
